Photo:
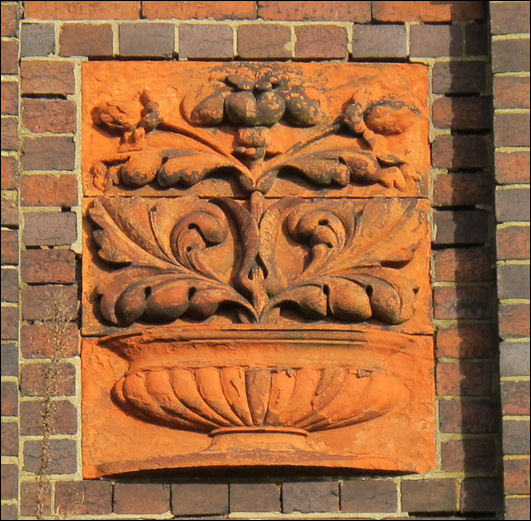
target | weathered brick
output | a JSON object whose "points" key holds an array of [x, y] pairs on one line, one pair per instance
{"points": [[48, 153], [383, 11], [63, 457], [516, 477], [512, 167], [143, 40], [48, 190], [513, 242], [464, 378], [515, 398], [9, 138], [9, 172], [368, 495], [514, 359], [9, 404], [86, 40], [459, 151], [9, 289], [509, 17], [9, 17], [9, 481], [481, 495], [510, 55], [468, 416], [310, 496], [264, 41], [379, 41], [39, 340], [477, 39], [45, 302], [37, 39], [513, 320], [9, 439], [461, 227], [475, 455], [513, 281], [511, 93], [434, 495], [9, 99], [199, 499], [254, 497], [63, 419], [331, 10], [44, 266], [462, 264], [463, 113], [141, 498], [29, 494], [10, 511], [33, 379], [462, 189], [9, 366], [80, 10], [9, 57], [458, 77], [9, 323], [45, 115], [9, 212], [47, 77], [320, 41], [49, 229], [515, 437], [471, 302], [517, 508], [511, 130], [84, 497], [436, 40], [199, 10], [206, 41], [9, 247]]}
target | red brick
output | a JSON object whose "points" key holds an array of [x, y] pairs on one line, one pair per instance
{"points": [[9, 439], [436, 40], [462, 189], [33, 379], [515, 398], [9, 172], [517, 508], [471, 302], [9, 97], [459, 151], [513, 281], [461, 227], [9, 138], [474, 455], [512, 167], [477, 39], [509, 17], [9, 287], [368, 495], [200, 10], [80, 10], [206, 41], [434, 495], [86, 40], [63, 420], [9, 404], [511, 93], [29, 495], [9, 247], [9, 212], [481, 495], [84, 497], [48, 190], [254, 497], [458, 77], [47, 77], [514, 359], [144, 498], [309, 497], [513, 320], [63, 456], [516, 476], [199, 499], [9, 481], [515, 437], [320, 41], [462, 264], [37, 39], [513, 242], [427, 11], [510, 55], [44, 266], [49, 229], [9, 365], [9, 57], [9, 17], [331, 10], [41, 302], [511, 130], [10, 511], [464, 378], [48, 153], [468, 416], [147, 40], [39, 341], [463, 113], [379, 41], [264, 41], [45, 115], [9, 323]]}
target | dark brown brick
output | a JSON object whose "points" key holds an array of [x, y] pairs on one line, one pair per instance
{"points": [[462, 264], [511, 130], [510, 55], [29, 494], [48, 153], [9, 98], [9, 172], [481, 495], [84, 497], [511, 93], [463, 113], [67, 10], [86, 40], [48, 190], [461, 227], [264, 41], [63, 419], [199, 499], [37, 40], [33, 379], [9, 139], [340, 11], [9, 366], [9, 57], [384, 11], [9, 211], [515, 398], [320, 41], [464, 378], [458, 77], [206, 41], [368, 495], [460, 151], [9, 404], [44, 115], [147, 40], [477, 39], [47, 77], [141, 498], [471, 302], [463, 189], [475, 455], [45, 266], [514, 359], [308, 496], [9, 511], [9, 481], [254, 497], [516, 477], [436, 40], [468, 416], [199, 10], [9, 323], [9, 247], [513, 281], [517, 508], [515, 436], [63, 457], [9, 439], [379, 41], [9, 288], [9, 19], [513, 320], [512, 167], [434, 495], [513, 242], [509, 17], [43, 302], [49, 229]]}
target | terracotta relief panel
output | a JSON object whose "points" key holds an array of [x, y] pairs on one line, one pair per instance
{"points": [[256, 270]]}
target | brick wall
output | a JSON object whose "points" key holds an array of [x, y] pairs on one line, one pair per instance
{"points": [[43, 47]]}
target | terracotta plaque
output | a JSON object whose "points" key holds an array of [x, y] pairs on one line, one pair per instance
{"points": [[256, 267]]}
